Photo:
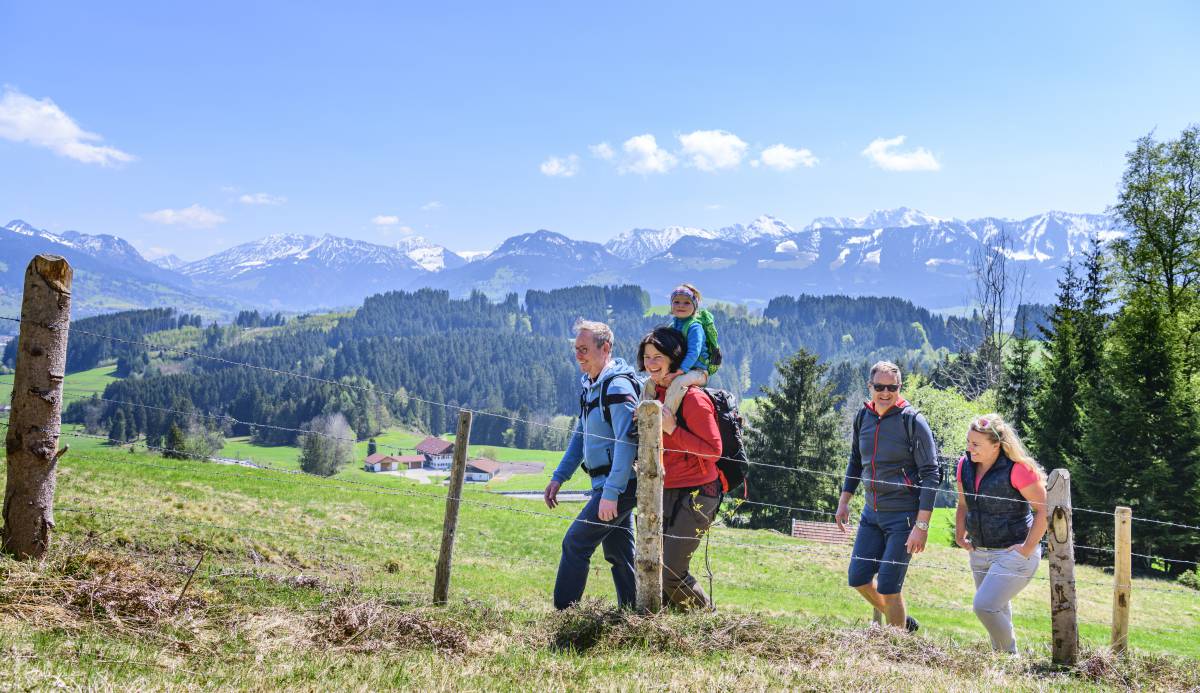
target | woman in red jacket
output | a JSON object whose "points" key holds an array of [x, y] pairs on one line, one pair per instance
{"points": [[691, 485]]}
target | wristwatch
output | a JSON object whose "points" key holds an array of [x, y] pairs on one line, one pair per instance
{"points": [[922, 525]]}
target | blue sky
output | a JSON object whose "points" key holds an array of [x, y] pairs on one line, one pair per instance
{"points": [[191, 127]]}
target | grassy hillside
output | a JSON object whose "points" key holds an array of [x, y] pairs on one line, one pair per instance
{"points": [[324, 584]]}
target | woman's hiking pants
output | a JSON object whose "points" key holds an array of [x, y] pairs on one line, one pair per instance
{"points": [[999, 575], [687, 519]]}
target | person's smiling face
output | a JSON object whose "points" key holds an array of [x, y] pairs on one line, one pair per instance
{"points": [[882, 394], [682, 307], [984, 447], [591, 358], [656, 364]]}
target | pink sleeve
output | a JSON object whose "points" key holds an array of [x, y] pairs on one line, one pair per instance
{"points": [[1021, 476], [958, 471]]}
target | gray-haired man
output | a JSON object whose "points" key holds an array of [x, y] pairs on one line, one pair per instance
{"points": [[603, 443]]}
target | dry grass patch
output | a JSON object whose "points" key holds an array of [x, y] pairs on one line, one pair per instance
{"points": [[79, 583], [598, 629], [373, 626]]}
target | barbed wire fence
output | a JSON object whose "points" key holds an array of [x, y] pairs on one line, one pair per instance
{"points": [[339, 540]]}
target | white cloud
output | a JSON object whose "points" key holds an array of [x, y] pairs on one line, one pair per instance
{"points": [[195, 217], [602, 151], [713, 207], [431, 206], [643, 155], [262, 199], [713, 150], [385, 220], [42, 123], [881, 153], [783, 158], [560, 167]]}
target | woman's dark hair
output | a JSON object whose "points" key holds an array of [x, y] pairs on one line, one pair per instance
{"points": [[669, 341]]}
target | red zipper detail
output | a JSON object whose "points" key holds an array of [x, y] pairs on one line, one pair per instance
{"points": [[874, 452]]}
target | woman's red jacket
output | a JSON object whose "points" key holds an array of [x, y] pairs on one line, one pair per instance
{"points": [[690, 454]]}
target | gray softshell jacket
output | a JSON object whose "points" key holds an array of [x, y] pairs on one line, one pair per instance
{"points": [[901, 475]]}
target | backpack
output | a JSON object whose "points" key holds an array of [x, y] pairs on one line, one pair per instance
{"points": [[710, 339], [733, 465], [705, 319]]}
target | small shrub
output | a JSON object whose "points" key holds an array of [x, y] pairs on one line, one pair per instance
{"points": [[584, 626], [1191, 578]]}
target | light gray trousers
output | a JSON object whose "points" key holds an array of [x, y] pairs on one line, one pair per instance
{"points": [[999, 575]]}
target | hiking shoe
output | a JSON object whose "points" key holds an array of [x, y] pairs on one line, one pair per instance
{"points": [[910, 624]]}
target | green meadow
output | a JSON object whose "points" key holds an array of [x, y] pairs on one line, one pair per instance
{"points": [[188, 574]]}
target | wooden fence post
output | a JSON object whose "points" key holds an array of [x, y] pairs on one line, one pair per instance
{"points": [[648, 560], [1063, 616], [458, 471], [35, 420], [1122, 579]]}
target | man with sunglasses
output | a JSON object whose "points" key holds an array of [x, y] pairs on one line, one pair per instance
{"points": [[894, 452]]}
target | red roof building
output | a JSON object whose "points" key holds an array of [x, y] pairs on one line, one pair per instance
{"points": [[435, 447], [488, 466]]}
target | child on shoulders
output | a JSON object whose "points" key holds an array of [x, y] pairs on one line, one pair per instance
{"points": [[685, 304]]}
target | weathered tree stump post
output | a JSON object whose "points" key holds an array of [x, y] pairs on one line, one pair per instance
{"points": [[1063, 616], [1122, 579], [35, 420], [458, 471], [648, 562]]}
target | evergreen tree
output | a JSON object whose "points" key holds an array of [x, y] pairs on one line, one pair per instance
{"points": [[371, 447], [521, 429], [175, 444], [1055, 426], [1019, 383], [117, 433], [1141, 447], [796, 425]]}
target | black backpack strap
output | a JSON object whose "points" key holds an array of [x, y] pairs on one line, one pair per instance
{"points": [[679, 420], [606, 400], [909, 416]]}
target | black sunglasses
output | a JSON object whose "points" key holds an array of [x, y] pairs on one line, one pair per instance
{"points": [[880, 387]]}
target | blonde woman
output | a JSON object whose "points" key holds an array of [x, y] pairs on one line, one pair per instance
{"points": [[1000, 520]]}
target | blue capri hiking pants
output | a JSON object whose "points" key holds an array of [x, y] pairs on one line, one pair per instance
{"points": [[879, 549]]}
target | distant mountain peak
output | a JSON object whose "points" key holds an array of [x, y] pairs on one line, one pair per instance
{"points": [[431, 256], [900, 217], [170, 261], [639, 245], [21, 226], [540, 242], [765, 226]]}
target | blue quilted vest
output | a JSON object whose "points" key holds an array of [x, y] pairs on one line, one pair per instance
{"points": [[999, 516]]}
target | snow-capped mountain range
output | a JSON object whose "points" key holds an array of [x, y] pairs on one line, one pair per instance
{"points": [[901, 252]]}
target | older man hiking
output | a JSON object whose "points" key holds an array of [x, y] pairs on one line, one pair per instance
{"points": [[893, 451], [603, 442]]}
